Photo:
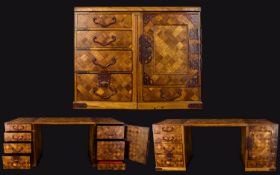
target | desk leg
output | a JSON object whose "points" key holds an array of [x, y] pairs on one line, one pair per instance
{"points": [[36, 145], [92, 145]]}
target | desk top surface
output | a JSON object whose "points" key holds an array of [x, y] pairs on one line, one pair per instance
{"points": [[215, 122], [65, 120]]}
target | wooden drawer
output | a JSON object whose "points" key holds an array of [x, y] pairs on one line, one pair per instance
{"points": [[102, 165], [170, 94], [111, 87], [168, 138], [169, 161], [163, 129], [110, 150], [16, 162], [167, 148], [103, 20], [110, 132], [97, 61], [100, 39], [17, 137], [11, 148], [17, 127]]}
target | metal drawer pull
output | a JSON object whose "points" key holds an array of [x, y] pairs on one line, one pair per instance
{"points": [[113, 39], [17, 137], [113, 21], [168, 129], [112, 62], [169, 139]]}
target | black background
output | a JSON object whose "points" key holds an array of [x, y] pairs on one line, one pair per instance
{"points": [[240, 80]]}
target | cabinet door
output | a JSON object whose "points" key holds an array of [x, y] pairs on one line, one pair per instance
{"points": [[137, 138], [262, 147], [170, 54]]}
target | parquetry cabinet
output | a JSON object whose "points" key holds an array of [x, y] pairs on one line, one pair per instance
{"points": [[173, 142], [137, 57], [110, 142]]}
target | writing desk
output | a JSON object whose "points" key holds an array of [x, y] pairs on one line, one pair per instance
{"points": [[172, 142], [109, 139]]}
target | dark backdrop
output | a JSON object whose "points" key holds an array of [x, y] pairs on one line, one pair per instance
{"points": [[240, 80]]}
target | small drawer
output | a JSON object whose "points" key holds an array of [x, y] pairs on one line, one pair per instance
{"points": [[97, 61], [168, 138], [158, 129], [17, 137], [17, 127], [16, 162], [103, 39], [169, 161], [103, 20], [110, 150], [110, 165], [110, 132], [167, 148], [19, 148]]}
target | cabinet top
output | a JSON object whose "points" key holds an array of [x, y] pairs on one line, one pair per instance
{"points": [[65, 120], [135, 9]]}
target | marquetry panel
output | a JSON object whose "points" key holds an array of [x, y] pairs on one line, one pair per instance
{"points": [[162, 129], [15, 136], [91, 87], [169, 160], [101, 39], [171, 94], [97, 61], [110, 166], [137, 138], [168, 138], [17, 127], [103, 20], [110, 132], [10, 148], [16, 162], [167, 148], [110, 150]]}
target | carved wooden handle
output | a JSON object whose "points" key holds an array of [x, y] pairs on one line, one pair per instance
{"points": [[17, 137], [104, 96], [113, 21], [177, 94], [112, 62], [167, 128], [113, 39], [169, 139]]}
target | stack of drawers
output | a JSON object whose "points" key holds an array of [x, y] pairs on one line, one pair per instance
{"points": [[169, 147], [103, 56], [17, 146], [110, 141]]}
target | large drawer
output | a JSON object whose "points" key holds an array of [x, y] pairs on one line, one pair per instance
{"points": [[18, 127], [16, 162], [96, 61], [167, 148], [103, 20], [18, 148], [17, 136], [169, 161], [110, 87], [168, 138], [165, 129], [110, 150], [103, 39], [110, 132]]}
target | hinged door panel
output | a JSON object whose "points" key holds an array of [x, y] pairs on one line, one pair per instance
{"points": [[137, 138], [170, 52]]}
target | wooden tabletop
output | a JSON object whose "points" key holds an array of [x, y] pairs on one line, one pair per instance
{"points": [[65, 120]]}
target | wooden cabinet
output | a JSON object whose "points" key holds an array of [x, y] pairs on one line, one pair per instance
{"points": [[110, 141], [137, 58], [173, 143]]}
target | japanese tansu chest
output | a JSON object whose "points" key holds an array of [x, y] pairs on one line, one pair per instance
{"points": [[137, 57]]}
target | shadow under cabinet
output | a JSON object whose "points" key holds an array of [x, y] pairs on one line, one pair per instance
{"points": [[109, 140]]}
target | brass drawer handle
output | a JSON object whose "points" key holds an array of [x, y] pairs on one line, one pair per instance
{"points": [[112, 62], [17, 150], [18, 127], [113, 21], [176, 95], [168, 129], [104, 96], [169, 139], [17, 137], [113, 39]]}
